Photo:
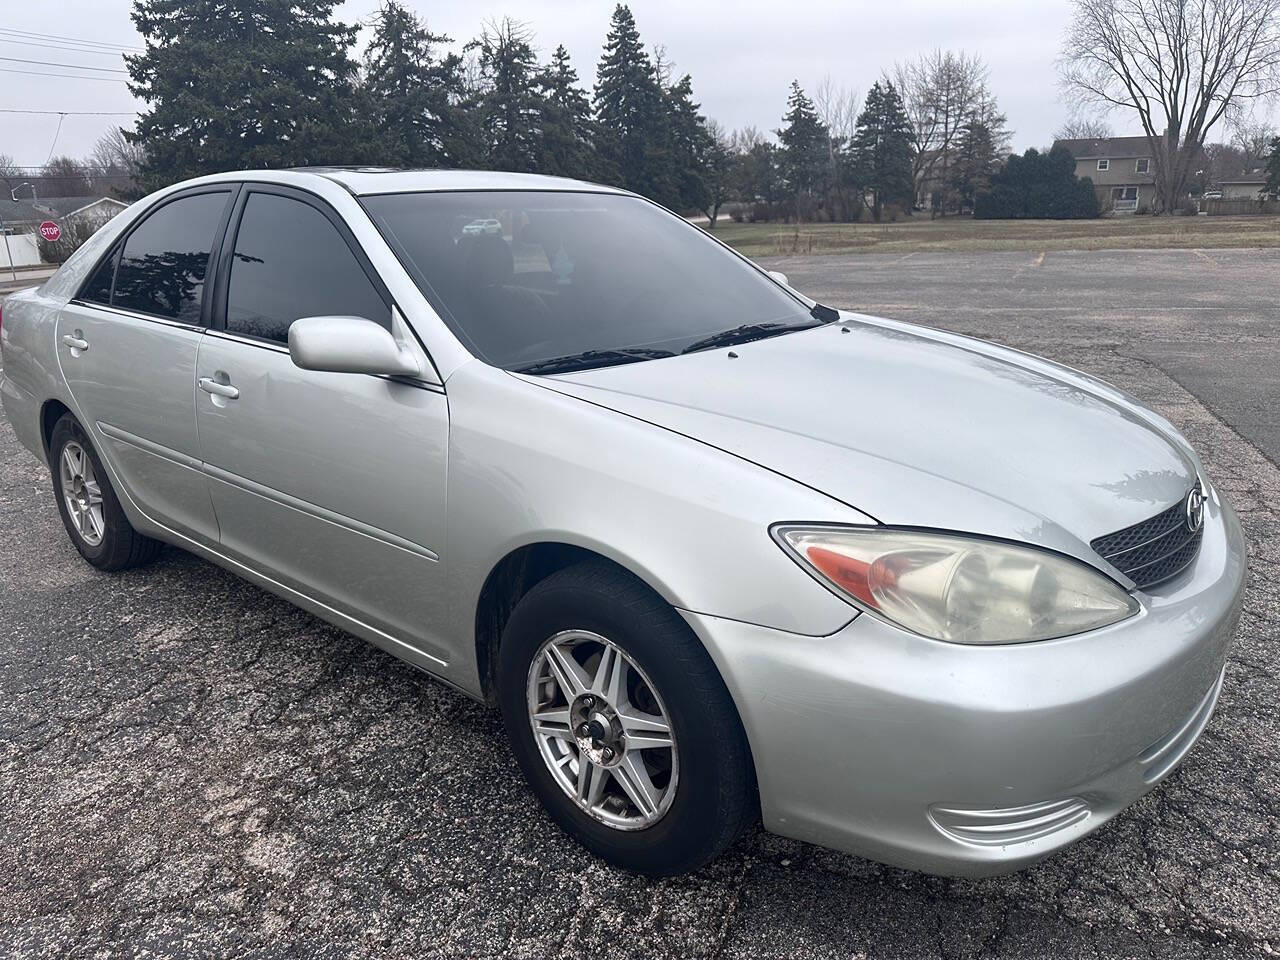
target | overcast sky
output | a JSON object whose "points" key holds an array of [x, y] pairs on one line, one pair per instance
{"points": [[742, 55]]}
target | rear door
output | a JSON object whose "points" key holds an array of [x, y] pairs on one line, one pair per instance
{"points": [[333, 483], [127, 347]]}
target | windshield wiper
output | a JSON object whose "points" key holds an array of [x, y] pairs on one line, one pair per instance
{"points": [[744, 334], [593, 358]]}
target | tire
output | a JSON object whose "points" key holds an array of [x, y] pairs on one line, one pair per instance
{"points": [[107, 541], [707, 781]]}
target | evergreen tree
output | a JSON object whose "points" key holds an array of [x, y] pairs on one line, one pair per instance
{"points": [[719, 165], [804, 155], [974, 161], [690, 144], [1273, 170], [566, 148], [631, 123], [510, 107], [881, 149], [1041, 186], [755, 178], [411, 93], [234, 84]]}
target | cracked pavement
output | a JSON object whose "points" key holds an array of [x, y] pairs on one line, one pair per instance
{"points": [[190, 767]]}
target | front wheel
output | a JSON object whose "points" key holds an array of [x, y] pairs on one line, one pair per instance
{"points": [[621, 723]]}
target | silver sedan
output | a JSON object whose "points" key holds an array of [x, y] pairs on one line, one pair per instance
{"points": [[717, 552]]}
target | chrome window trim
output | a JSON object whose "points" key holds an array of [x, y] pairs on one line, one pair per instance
{"points": [[249, 341], [135, 315]]}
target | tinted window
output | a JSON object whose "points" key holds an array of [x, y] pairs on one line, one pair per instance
{"points": [[526, 276], [98, 289], [291, 262], [165, 260]]}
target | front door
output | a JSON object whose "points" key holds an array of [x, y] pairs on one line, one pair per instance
{"points": [[331, 483], [127, 346]]}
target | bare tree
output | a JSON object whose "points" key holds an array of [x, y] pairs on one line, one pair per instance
{"points": [[114, 156], [1180, 65], [1254, 141], [1221, 161], [837, 108], [8, 168], [940, 91], [1084, 128]]}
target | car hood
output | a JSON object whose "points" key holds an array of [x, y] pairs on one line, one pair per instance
{"points": [[917, 427]]}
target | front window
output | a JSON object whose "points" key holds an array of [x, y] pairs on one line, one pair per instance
{"points": [[291, 262], [1104, 164], [545, 280], [1143, 165]]}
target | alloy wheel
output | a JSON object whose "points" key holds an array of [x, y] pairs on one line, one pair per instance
{"points": [[602, 730], [81, 493]]}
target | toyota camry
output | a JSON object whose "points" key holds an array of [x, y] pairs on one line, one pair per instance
{"points": [[719, 553]]}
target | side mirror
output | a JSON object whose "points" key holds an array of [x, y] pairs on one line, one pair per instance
{"points": [[780, 277], [349, 345]]}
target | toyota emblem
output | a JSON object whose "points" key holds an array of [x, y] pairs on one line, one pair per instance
{"points": [[1195, 509]]}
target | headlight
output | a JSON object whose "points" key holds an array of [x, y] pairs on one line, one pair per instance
{"points": [[957, 588]]}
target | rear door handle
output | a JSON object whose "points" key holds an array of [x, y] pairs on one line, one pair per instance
{"points": [[209, 385], [76, 343]]}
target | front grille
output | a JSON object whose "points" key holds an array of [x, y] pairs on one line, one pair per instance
{"points": [[1154, 550]]}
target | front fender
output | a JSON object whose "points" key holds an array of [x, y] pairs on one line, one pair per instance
{"points": [[529, 465]]}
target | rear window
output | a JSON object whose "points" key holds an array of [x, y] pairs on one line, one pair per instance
{"points": [[522, 277], [163, 264]]}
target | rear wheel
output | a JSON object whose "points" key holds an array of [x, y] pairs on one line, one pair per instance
{"points": [[88, 505], [622, 724]]}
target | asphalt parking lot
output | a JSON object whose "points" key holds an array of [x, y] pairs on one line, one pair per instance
{"points": [[192, 768]]}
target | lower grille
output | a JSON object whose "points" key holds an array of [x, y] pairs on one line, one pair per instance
{"points": [[1156, 549]]}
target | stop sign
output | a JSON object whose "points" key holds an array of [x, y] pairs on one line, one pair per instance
{"points": [[50, 231]]}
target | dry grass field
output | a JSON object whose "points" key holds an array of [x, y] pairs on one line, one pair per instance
{"points": [[963, 235]]}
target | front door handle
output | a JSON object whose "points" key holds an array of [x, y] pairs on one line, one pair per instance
{"points": [[76, 342], [225, 390]]}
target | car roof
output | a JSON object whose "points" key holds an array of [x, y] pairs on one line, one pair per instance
{"points": [[367, 181]]}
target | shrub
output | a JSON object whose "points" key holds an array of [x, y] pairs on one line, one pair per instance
{"points": [[1040, 186], [74, 233]]}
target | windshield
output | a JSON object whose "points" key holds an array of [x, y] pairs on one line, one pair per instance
{"points": [[528, 279]]}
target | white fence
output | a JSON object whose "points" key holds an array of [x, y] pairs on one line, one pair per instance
{"points": [[22, 248]]}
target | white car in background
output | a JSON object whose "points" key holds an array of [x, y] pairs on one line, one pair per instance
{"points": [[483, 227]]}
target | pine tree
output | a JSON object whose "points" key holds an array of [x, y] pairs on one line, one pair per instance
{"points": [[804, 150], [631, 124], [972, 164], [1273, 170], [410, 92], [233, 84], [718, 168], [510, 105], [566, 148], [690, 144], [1040, 186], [881, 149]]}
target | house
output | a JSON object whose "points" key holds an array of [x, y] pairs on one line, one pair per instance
{"points": [[25, 216], [1122, 169], [1248, 187], [22, 219]]}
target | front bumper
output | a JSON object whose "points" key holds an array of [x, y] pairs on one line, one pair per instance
{"points": [[976, 761]]}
